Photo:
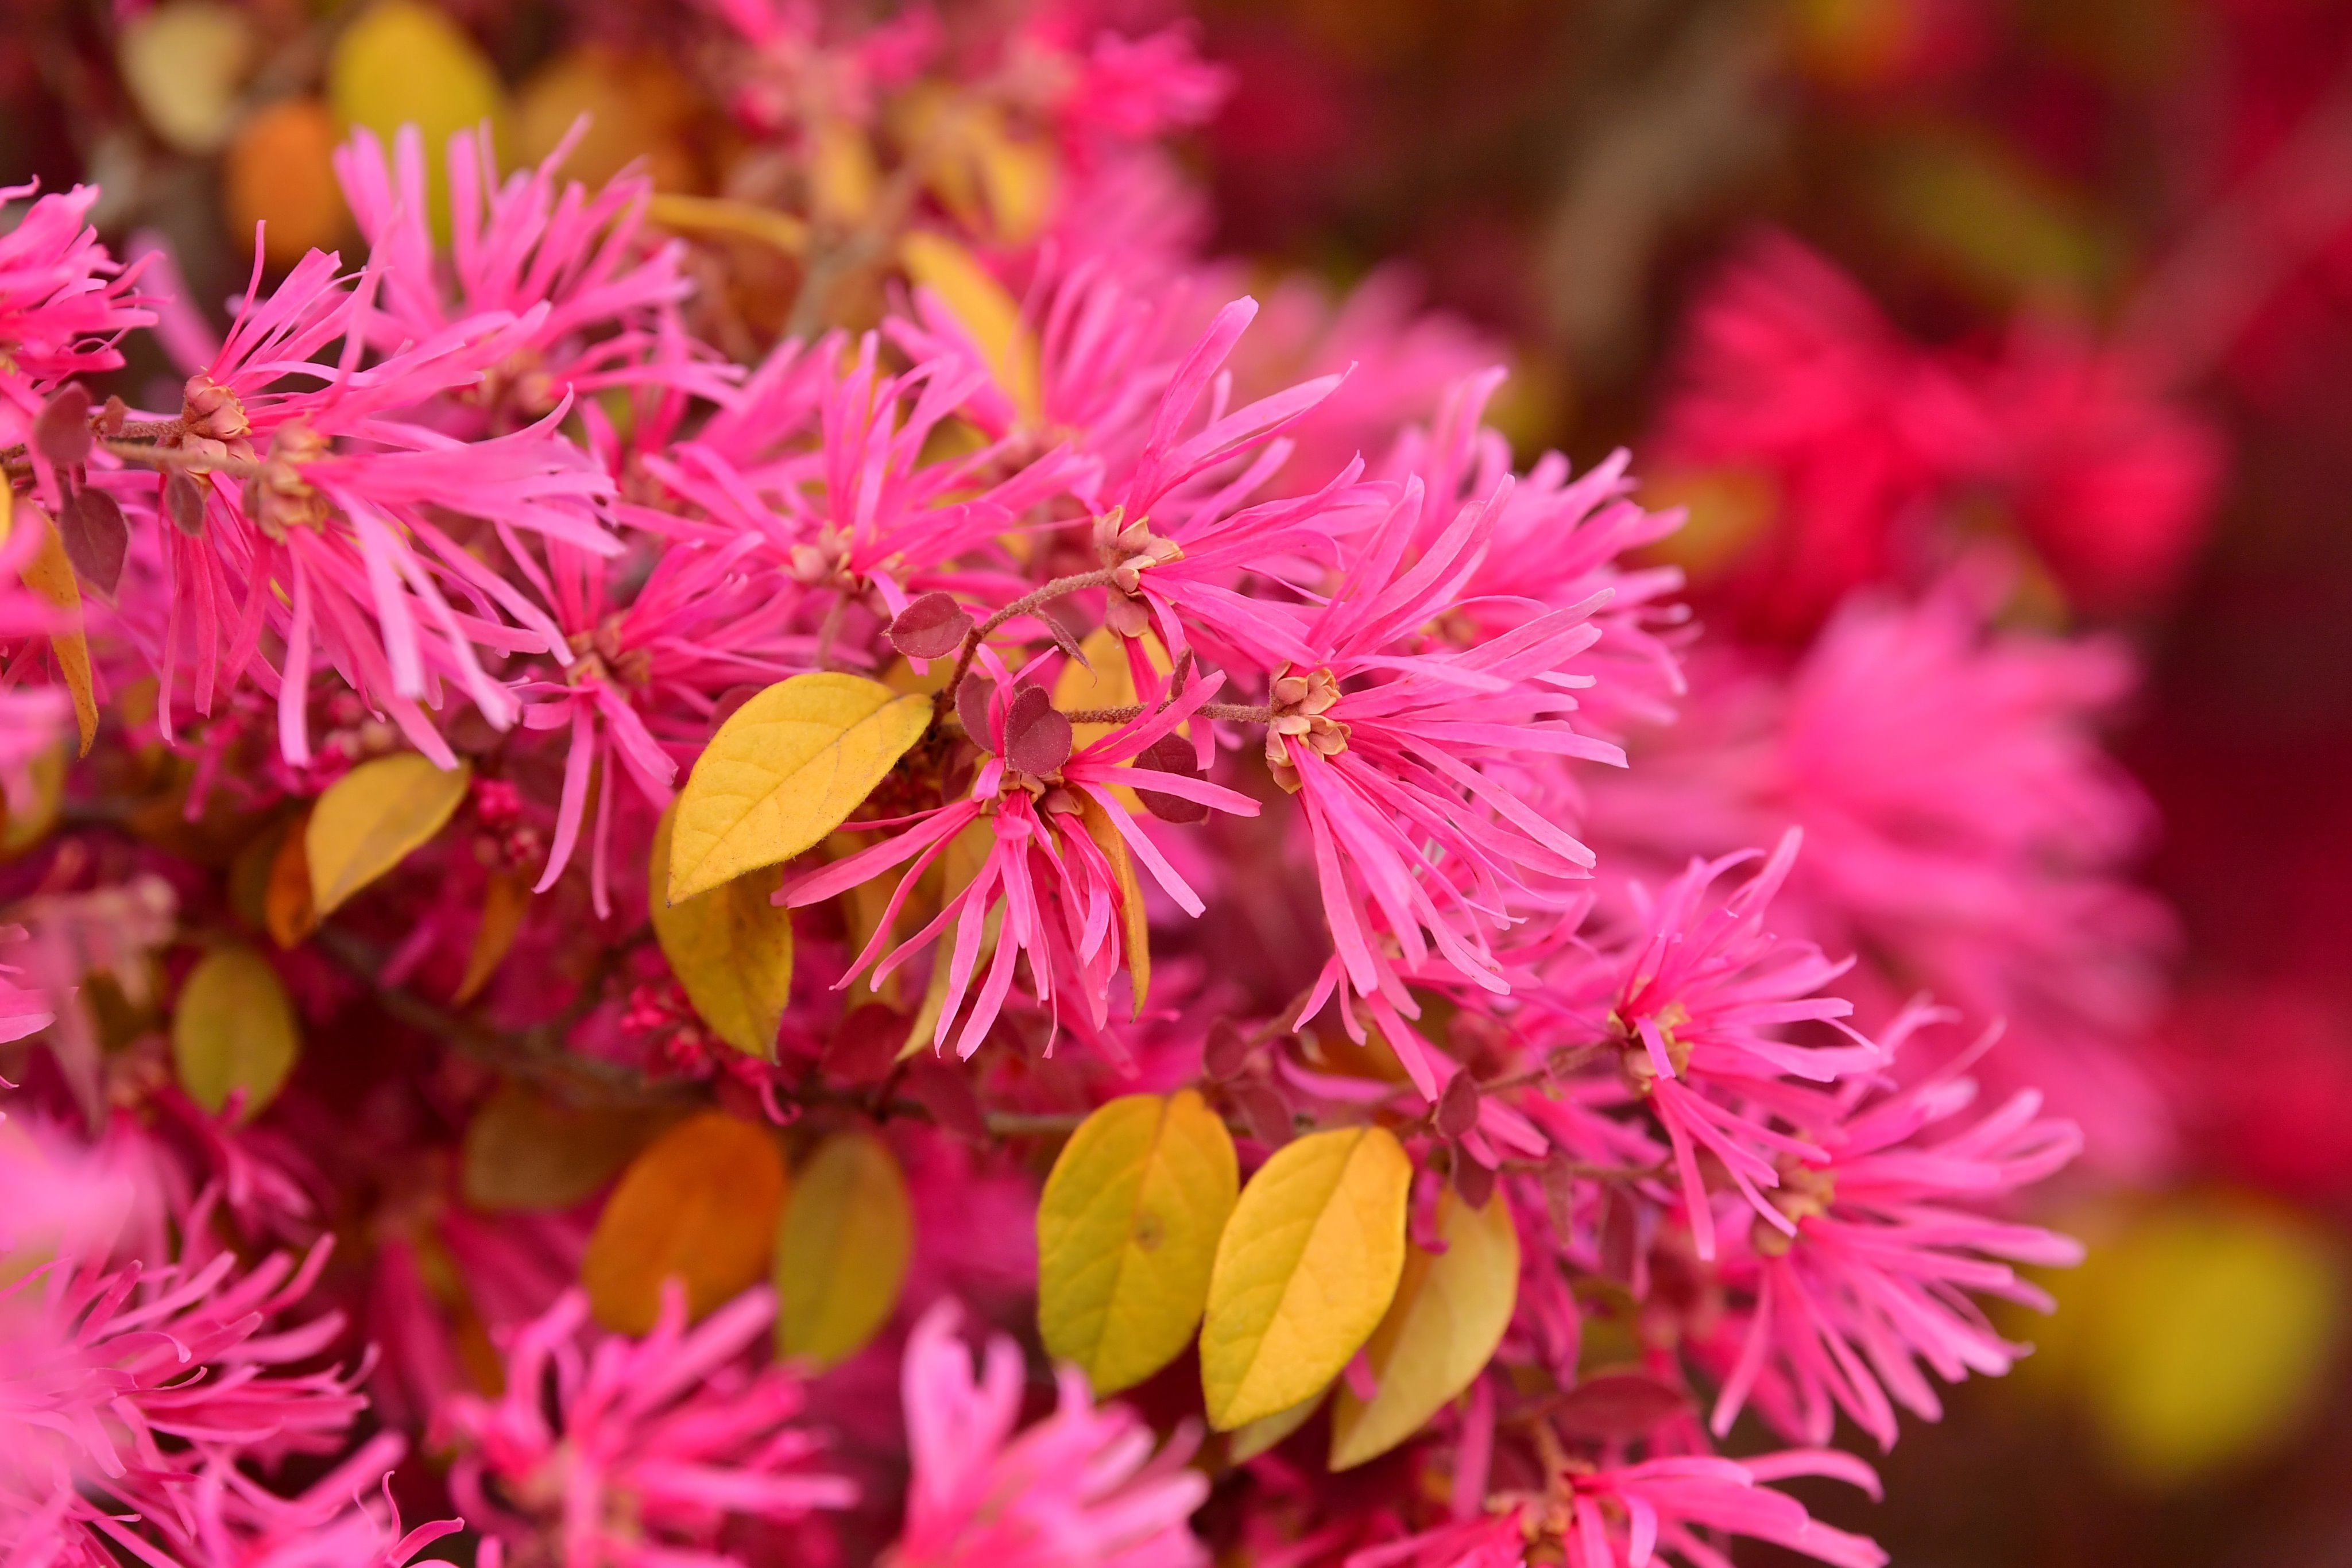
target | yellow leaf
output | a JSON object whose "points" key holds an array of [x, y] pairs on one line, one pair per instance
{"points": [[234, 1029], [974, 297], [1109, 683], [1449, 1314], [404, 62], [842, 1252], [51, 575], [718, 214], [370, 819], [1304, 1272], [279, 172], [699, 1205], [637, 107], [1127, 1231], [504, 899], [786, 769], [29, 820], [1135, 927], [2198, 1332], [842, 174], [1019, 177], [182, 63], [730, 948], [523, 1151], [1254, 1437]]}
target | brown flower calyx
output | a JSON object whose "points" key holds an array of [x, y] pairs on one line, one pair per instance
{"points": [[824, 562], [1301, 706], [213, 424], [1805, 1193], [277, 497], [601, 655], [1640, 1068], [1126, 550]]}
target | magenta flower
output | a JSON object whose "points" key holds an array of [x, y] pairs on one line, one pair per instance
{"points": [[1629, 1515], [1044, 881], [64, 302], [336, 540], [1696, 1004], [648, 1446], [1889, 1246], [1396, 752], [1081, 1486], [517, 245]]}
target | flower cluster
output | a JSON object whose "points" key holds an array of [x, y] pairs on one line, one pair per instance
{"points": [[759, 724]]}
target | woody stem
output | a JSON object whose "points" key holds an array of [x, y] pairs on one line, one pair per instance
{"points": [[1021, 606]]}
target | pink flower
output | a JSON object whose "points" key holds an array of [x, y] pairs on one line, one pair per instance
{"points": [[1080, 1486], [128, 1393], [637, 1452], [1695, 1003], [515, 246], [1627, 1516], [1959, 817], [336, 538], [1889, 1245], [64, 302], [1404, 754], [1042, 879]]}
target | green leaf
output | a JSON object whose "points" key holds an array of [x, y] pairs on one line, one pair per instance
{"points": [[842, 1253], [730, 948], [1127, 1235], [786, 769], [234, 1029], [1305, 1270], [1449, 1314], [370, 820]]}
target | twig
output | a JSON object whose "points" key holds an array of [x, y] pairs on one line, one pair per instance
{"points": [[1021, 606]]}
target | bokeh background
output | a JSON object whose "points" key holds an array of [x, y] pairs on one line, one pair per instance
{"points": [[2138, 210]]}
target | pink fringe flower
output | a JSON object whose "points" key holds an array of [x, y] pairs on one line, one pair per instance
{"points": [[1081, 1486], [647, 1448]]}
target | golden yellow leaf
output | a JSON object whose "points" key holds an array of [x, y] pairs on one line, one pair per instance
{"points": [[504, 899], [698, 1205], [637, 107], [368, 820], [51, 575], [987, 311], [1019, 176], [842, 178], [26, 823], [784, 772], [182, 63], [1254, 1437], [234, 1029], [1304, 1270], [523, 1151], [1135, 926], [1126, 1232], [279, 172], [2194, 1332], [404, 62], [842, 1251], [719, 214], [286, 907], [730, 948], [1449, 1314]]}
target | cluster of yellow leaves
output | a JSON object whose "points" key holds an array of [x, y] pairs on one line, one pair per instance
{"points": [[1144, 1236], [710, 1204]]}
